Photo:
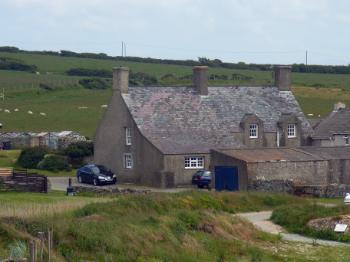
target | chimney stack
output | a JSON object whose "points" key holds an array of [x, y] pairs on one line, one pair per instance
{"points": [[200, 79], [283, 77], [339, 106], [121, 79]]}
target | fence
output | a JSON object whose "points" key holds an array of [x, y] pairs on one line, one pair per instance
{"points": [[24, 181]]}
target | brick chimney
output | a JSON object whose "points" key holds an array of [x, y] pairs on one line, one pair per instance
{"points": [[200, 79], [121, 79], [283, 77]]}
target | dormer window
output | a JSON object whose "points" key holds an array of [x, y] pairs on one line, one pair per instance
{"points": [[347, 140], [253, 131], [291, 130]]}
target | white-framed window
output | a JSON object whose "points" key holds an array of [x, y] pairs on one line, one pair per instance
{"points": [[128, 162], [347, 140], [253, 131], [194, 162], [291, 131], [128, 136]]}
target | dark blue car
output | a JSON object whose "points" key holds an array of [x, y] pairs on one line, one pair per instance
{"points": [[202, 178], [96, 175]]}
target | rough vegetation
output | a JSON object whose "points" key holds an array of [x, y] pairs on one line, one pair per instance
{"points": [[190, 226], [296, 218]]}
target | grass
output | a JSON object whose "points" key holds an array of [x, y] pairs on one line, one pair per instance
{"points": [[191, 226], [188, 226], [29, 205], [295, 218]]}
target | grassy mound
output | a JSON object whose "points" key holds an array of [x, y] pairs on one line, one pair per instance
{"points": [[295, 219]]}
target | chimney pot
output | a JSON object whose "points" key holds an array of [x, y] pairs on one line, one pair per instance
{"points": [[200, 79], [121, 79], [283, 77]]}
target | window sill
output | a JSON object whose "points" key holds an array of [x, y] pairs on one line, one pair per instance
{"points": [[292, 137], [194, 167]]}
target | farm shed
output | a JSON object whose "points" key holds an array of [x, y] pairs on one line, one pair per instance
{"points": [[303, 166], [53, 140]]}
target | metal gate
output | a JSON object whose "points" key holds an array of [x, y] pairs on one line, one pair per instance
{"points": [[226, 178]]}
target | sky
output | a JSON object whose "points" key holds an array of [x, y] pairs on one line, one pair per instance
{"points": [[251, 31]]}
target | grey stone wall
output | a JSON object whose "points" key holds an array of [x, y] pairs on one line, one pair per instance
{"points": [[336, 140], [110, 146], [175, 164], [310, 172]]}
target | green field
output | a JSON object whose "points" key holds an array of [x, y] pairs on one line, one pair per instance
{"points": [[68, 106]]}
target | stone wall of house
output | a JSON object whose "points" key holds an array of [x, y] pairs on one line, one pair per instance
{"points": [[110, 146], [336, 140], [308, 172], [175, 164]]}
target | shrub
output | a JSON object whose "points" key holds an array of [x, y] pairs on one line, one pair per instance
{"points": [[79, 149], [30, 157], [94, 83], [54, 163]]}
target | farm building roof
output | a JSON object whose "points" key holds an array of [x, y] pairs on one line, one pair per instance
{"points": [[287, 154], [178, 120], [270, 155], [338, 122]]}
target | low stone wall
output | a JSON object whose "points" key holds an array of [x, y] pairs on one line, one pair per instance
{"points": [[288, 186], [109, 191], [280, 186], [329, 191]]}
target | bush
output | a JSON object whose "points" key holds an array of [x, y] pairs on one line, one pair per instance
{"points": [[94, 83], [30, 157], [54, 163], [79, 149], [16, 65]]}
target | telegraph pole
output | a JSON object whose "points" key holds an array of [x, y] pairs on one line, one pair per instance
{"points": [[306, 58]]}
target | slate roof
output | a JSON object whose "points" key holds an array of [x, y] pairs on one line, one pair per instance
{"points": [[307, 153], [177, 120], [271, 155], [329, 152], [338, 122]]}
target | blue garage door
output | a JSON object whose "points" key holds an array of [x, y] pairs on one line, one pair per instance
{"points": [[226, 178]]}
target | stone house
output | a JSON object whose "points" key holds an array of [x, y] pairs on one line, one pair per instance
{"points": [[160, 136], [334, 130]]}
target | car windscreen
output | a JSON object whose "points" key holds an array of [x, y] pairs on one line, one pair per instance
{"points": [[95, 170], [102, 169], [206, 173]]}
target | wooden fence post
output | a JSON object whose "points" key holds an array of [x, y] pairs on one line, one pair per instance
{"points": [[32, 250], [49, 244]]}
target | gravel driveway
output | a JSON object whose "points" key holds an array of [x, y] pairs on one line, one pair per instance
{"points": [[261, 221]]}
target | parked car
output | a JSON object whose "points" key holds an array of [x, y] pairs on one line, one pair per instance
{"points": [[96, 175], [202, 178]]}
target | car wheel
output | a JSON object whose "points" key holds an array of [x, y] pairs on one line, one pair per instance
{"points": [[80, 180], [114, 181], [95, 181], [200, 186]]}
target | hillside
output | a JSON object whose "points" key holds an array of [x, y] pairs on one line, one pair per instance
{"points": [[67, 105], [187, 226]]}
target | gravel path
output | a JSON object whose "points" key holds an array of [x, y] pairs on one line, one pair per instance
{"points": [[261, 221]]}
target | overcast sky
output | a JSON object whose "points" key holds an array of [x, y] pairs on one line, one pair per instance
{"points": [[257, 31]]}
